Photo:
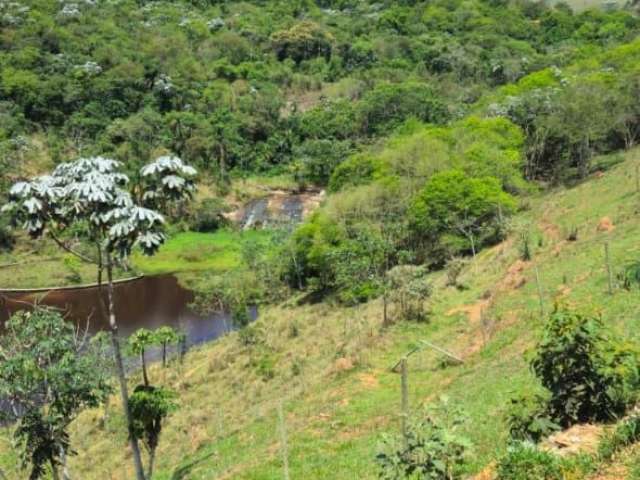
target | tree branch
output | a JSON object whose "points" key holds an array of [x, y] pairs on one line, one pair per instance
{"points": [[65, 247]]}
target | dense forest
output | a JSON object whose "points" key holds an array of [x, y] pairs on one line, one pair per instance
{"points": [[438, 129]]}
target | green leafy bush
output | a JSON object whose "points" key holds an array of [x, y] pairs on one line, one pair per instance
{"points": [[302, 41], [356, 170], [408, 290], [529, 419], [434, 447], [208, 215], [388, 105], [525, 461], [464, 211], [630, 276], [570, 362], [149, 407]]}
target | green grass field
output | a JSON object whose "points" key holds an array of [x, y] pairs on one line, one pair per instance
{"points": [[330, 366], [38, 264], [192, 252]]}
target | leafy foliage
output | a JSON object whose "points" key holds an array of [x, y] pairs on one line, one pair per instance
{"points": [[570, 362], [459, 212], [525, 461], [48, 377], [529, 419], [434, 448], [408, 291], [149, 408], [626, 432]]}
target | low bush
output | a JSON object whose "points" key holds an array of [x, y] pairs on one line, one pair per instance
{"points": [[529, 420], [525, 461], [433, 447], [630, 276], [7, 239], [626, 433], [208, 215], [571, 363]]}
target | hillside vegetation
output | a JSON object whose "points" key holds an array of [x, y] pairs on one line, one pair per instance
{"points": [[480, 227], [331, 367]]}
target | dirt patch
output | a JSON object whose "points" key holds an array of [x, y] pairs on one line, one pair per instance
{"points": [[369, 381], [342, 364], [550, 230], [577, 439], [482, 327], [487, 473], [473, 311], [605, 225]]}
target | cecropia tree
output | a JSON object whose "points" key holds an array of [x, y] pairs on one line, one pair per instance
{"points": [[90, 195]]}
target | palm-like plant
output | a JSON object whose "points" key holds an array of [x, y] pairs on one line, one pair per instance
{"points": [[90, 193]]}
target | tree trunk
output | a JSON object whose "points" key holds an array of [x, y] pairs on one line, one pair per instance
{"points": [[54, 470], [164, 354], [152, 460], [65, 469], [144, 369], [122, 377]]}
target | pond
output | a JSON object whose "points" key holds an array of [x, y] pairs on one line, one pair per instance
{"points": [[148, 302]]}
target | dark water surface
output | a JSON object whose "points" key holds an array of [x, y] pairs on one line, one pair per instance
{"points": [[148, 302]]}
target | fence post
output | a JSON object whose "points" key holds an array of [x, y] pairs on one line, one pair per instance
{"points": [[607, 260], [405, 400]]}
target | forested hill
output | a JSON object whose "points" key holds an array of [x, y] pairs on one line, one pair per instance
{"points": [[477, 176], [263, 86]]}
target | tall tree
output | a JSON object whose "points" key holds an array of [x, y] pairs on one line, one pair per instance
{"points": [[89, 195]]}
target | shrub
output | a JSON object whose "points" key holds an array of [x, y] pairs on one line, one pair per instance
{"points": [[357, 170], [529, 420], [251, 336], [524, 461], [387, 106], [208, 215], [625, 433], [630, 276], [7, 239], [408, 291], [303, 41], [433, 448], [525, 246], [454, 267], [319, 158], [464, 211], [149, 407], [570, 362]]}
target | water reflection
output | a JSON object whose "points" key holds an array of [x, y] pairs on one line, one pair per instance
{"points": [[148, 302]]}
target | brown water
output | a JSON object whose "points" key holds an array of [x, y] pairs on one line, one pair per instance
{"points": [[148, 302]]}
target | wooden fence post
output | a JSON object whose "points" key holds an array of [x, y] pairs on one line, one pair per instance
{"points": [[607, 260], [405, 400]]}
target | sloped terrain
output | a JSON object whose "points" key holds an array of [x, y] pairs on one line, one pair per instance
{"points": [[330, 367]]}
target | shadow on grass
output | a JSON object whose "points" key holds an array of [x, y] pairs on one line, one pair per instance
{"points": [[182, 471]]}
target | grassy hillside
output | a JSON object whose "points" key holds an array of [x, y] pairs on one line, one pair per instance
{"points": [[330, 366]]}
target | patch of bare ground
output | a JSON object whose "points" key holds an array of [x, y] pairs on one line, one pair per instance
{"points": [[476, 312], [605, 225], [577, 439]]}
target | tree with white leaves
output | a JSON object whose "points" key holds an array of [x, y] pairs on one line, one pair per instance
{"points": [[90, 195]]}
